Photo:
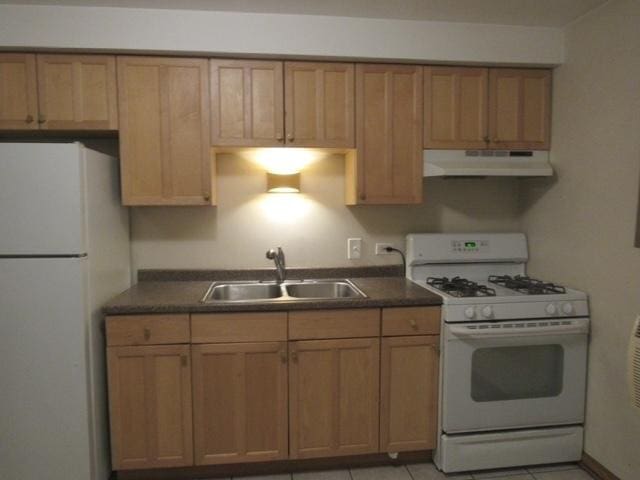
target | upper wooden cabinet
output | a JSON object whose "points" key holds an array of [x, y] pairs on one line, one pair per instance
{"points": [[319, 104], [18, 92], [164, 131], [77, 92], [455, 106], [519, 108], [271, 104], [69, 92], [246, 103], [479, 108], [387, 165]]}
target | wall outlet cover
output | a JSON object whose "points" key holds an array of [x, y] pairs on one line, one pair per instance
{"points": [[354, 248]]}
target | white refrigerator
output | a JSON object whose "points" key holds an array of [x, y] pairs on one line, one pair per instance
{"points": [[64, 250]]}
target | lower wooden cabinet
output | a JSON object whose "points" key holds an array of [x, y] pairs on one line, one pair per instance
{"points": [[333, 397], [150, 406], [271, 385], [240, 402], [409, 393]]}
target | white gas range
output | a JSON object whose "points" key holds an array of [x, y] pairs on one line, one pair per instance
{"points": [[513, 370]]}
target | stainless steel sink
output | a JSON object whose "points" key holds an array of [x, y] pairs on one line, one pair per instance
{"points": [[242, 292], [292, 291], [322, 289]]}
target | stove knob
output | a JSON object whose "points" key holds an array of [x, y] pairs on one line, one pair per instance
{"points": [[487, 311], [567, 308], [551, 309], [469, 312]]}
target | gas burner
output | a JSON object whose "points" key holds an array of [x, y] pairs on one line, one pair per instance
{"points": [[526, 285], [460, 287]]}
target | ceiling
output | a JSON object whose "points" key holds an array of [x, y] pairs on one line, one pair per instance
{"points": [[551, 13]]}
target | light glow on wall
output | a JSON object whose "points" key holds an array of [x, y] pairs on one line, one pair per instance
{"points": [[284, 160], [284, 208]]}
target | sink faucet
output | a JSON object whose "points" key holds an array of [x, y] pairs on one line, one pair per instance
{"points": [[278, 258]]}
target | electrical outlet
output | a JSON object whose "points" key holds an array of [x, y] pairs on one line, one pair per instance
{"points": [[354, 248], [380, 248]]}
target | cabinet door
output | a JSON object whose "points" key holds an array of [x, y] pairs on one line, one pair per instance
{"points": [[333, 392], [150, 406], [77, 92], [409, 393], [387, 168], [455, 107], [319, 104], [164, 131], [247, 106], [519, 108], [18, 92], [240, 402]]}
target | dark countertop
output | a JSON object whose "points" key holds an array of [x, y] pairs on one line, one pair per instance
{"points": [[184, 297]]}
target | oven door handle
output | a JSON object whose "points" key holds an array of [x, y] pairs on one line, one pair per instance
{"points": [[462, 331]]}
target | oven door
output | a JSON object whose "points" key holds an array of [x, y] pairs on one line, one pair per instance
{"points": [[514, 374]]}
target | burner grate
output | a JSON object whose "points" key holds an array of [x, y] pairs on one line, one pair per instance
{"points": [[460, 287], [526, 285]]}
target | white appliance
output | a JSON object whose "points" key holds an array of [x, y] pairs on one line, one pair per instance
{"points": [[486, 163], [64, 250], [514, 349]]}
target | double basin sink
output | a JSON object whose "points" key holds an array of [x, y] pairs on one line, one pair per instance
{"points": [[293, 290]]}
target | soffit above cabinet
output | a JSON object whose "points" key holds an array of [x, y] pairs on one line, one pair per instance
{"points": [[550, 13]]}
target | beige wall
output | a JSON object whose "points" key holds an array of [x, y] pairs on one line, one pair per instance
{"points": [[581, 226], [313, 227], [235, 33]]}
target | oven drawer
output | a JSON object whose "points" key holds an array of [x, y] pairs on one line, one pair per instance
{"points": [[479, 451]]}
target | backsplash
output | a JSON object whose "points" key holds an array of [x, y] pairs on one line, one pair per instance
{"points": [[313, 226]]}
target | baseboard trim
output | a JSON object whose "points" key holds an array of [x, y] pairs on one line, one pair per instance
{"points": [[595, 468], [275, 467]]}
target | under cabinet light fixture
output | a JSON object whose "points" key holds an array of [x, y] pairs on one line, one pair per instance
{"points": [[283, 183]]}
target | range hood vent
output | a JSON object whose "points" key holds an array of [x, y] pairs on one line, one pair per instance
{"points": [[486, 163]]}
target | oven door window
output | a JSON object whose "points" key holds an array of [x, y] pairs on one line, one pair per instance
{"points": [[513, 373]]}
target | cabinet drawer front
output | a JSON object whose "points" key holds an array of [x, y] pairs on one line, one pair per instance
{"points": [[410, 321], [239, 327], [351, 323], [147, 329]]}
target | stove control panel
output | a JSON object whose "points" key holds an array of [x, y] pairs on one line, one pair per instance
{"points": [[470, 246], [496, 311]]}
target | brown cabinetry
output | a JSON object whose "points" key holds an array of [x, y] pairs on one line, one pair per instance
{"points": [[240, 402], [77, 92], [218, 388], [272, 103], [333, 397], [150, 406], [57, 92], [409, 393], [246, 103], [164, 131], [455, 107], [18, 91], [480, 108], [519, 108], [387, 165], [319, 104]]}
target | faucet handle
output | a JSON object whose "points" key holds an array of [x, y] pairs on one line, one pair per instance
{"points": [[271, 254]]}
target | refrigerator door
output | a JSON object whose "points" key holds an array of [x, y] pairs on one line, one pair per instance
{"points": [[44, 412], [42, 199]]}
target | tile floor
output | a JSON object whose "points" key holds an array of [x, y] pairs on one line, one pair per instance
{"points": [[427, 471]]}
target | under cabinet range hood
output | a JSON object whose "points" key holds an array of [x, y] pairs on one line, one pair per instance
{"points": [[486, 163]]}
